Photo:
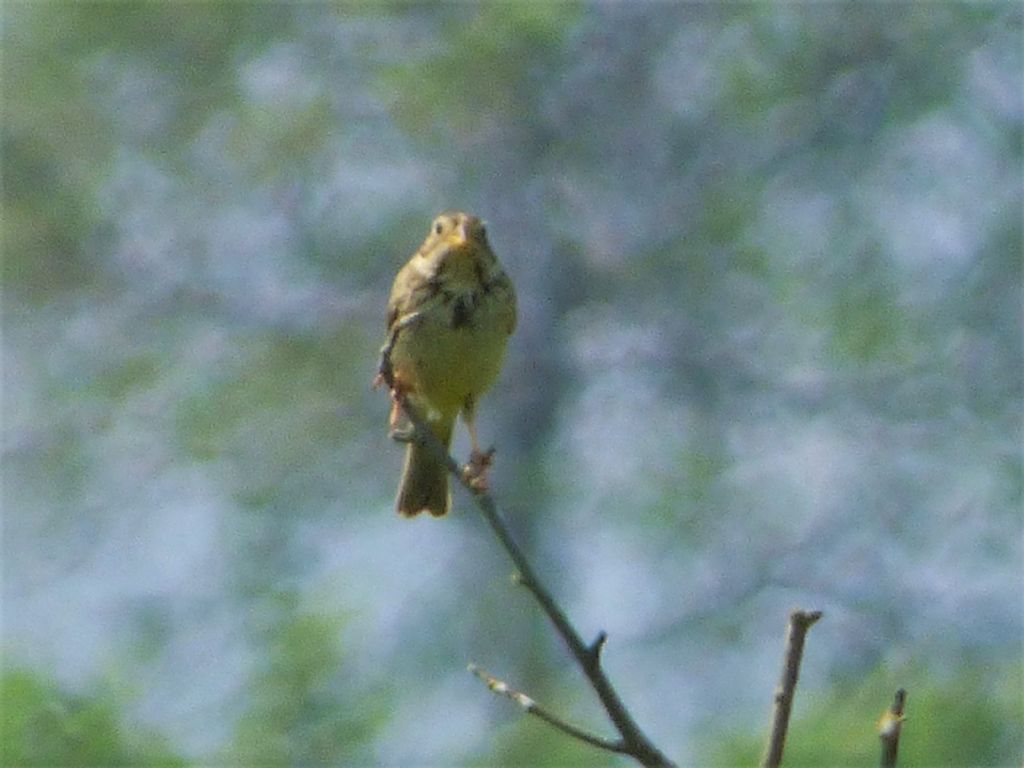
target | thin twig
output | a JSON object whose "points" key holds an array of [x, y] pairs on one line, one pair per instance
{"points": [[634, 742], [799, 623], [889, 726], [587, 656], [530, 706]]}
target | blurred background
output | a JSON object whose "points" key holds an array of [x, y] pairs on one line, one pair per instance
{"points": [[768, 260]]}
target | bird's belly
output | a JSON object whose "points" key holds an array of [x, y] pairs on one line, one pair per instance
{"points": [[447, 365]]}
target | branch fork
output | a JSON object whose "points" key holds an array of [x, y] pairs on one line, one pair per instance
{"points": [[632, 741]]}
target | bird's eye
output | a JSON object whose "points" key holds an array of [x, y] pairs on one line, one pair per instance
{"points": [[438, 227]]}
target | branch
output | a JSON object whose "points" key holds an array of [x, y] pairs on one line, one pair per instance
{"points": [[531, 707], [634, 742], [799, 623], [889, 726]]}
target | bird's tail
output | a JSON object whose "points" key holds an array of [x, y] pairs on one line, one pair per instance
{"points": [[424, 484]]}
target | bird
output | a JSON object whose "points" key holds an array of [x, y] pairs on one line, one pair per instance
{"points": [[451, 311]]}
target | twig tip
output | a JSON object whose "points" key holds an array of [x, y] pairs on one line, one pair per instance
{"points": [[806, 619], [594, 649]]}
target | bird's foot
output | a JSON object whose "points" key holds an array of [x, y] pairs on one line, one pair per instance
{"points": [[399, 390], [474, 472]]}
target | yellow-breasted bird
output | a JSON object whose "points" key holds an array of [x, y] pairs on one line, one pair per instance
{"points": [[451, 311]]}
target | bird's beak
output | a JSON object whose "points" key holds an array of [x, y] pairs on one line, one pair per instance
{"points": [[459, 235]]}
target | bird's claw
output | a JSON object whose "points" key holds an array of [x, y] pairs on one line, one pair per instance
{"points": [[398, 392], [474, 472]]}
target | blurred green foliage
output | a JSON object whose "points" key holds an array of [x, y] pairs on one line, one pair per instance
{"points": [[42, 726], [528, 741], [298, 706], [493, 66]]}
